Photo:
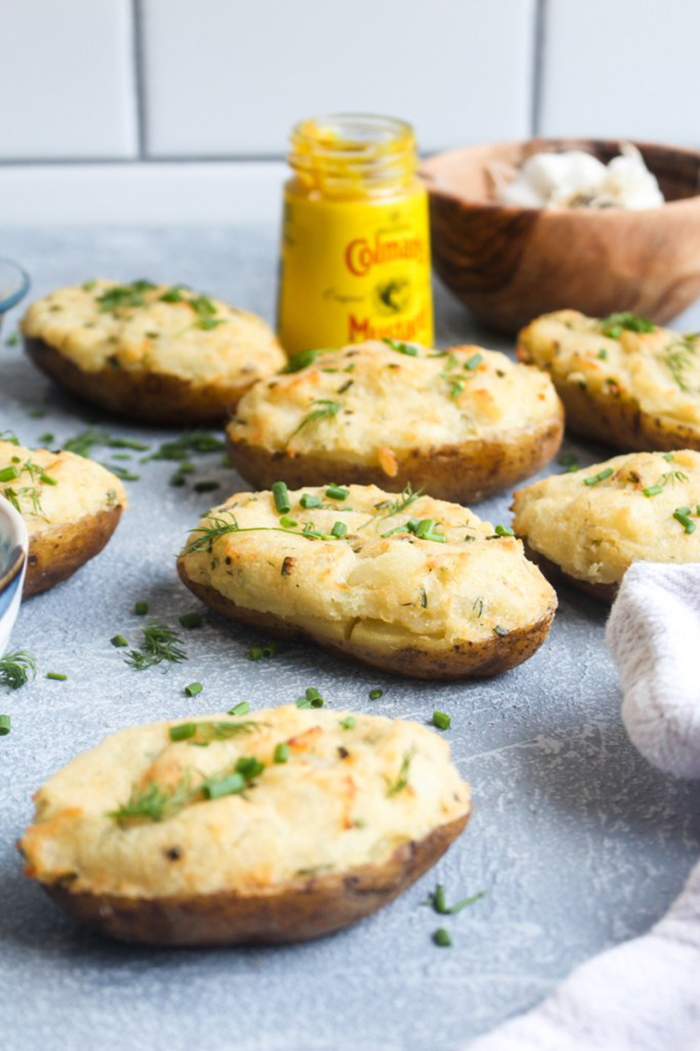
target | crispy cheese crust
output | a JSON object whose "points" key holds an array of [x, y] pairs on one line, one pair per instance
{"points": [[71, 506], [463, 423], [355, 798], [187, 358], [638, 390], [384, 592], [593, 533]]}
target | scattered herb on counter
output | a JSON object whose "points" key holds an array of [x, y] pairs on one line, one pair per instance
{"points": [[119, 641], [442, 720], [206, 486], [47, 438], [401, 348], [326, 409], [12, 340], [374, 695], [570, 461], [311, 699], [600, 477], [141, 608], [16, 668], [189, 442], [9, 436], [401, 780], [191, 620], [242, 708], [193, 689], [266, 650], [57, 676], [613, 325], [122, 473], [84, 442], [161, 645], [442, 938], [5, 725], [36, 414], [436, 900]]}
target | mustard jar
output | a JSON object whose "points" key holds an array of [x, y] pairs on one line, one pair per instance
{"points": [[355, 254]]}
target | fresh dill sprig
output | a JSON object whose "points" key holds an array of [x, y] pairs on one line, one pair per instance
{"points": [[326, 409], [220, 527], [206, 732], [613, 325], [388, 508], [119, 296], [155, 803], [188, 443], [401, 780], [670, 476], [161, 645], [436, 899], [16, 668], [677, 356], [28, 491]]}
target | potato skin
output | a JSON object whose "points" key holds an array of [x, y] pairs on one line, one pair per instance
{"points": [[56, 555], [307, 908], [474, 659], [617, 421], [463, 473], [149, 397], [555, 574]]}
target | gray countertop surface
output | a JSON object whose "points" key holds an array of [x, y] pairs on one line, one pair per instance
{"points": [[579, 843]]}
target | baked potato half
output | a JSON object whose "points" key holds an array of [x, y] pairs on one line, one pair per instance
{"points": [[462, 424], [411, 584], [160, 354], [71, 506], [589, 527], [286, 825], [623, 380]]}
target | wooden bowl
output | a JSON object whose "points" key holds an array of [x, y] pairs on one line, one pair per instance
{"points": [[510, 264]]}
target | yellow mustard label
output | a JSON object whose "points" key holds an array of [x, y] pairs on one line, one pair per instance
{"points": [[354, 270]]}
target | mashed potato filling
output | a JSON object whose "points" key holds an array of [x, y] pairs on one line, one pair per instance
{"points": [[145, 327], [657, 368], [384, 575], [394, 395], [330, 792], [52, 489], [643, 506]]}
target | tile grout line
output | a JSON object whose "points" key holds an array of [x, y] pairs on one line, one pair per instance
{"points": [[139, 76], [538, 51]]}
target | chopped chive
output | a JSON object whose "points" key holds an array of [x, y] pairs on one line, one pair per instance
{"points": [[118, 640], [191, 620], [12, 340], [374, 695], [288, 523], [600, 477], [336, 493], [570, 461], [442, 720], [57, 675], [141, 608], [46, 438], [498, 630], [183, 731], [309, 500], [8, 473], [206, 487], [473, 361], [349, 723], [5, 725], [227, 786], [503, 531], [301, 360], [402, 348], [681, 514], [603, 354], [442, 938], [193, 689], [280, 495], [242, 708], [668, 457], [339, 530], [653, 490], [281, 753], [256, 653], [311, 699]]}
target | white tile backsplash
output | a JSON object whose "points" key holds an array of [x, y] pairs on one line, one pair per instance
{"points": [[230, 78], [67, 79], [622, 68]]}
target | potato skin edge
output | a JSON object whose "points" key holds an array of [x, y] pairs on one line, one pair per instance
{"points": [[304, 909], [616, 421], [463, 473], [471, 659], [556, 575], [58, 554], [150, 397]]}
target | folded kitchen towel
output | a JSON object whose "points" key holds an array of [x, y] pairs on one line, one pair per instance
{"points": [[643, 995]]}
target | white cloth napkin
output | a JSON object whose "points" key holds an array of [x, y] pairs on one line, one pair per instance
{"points": [[643, 995]]}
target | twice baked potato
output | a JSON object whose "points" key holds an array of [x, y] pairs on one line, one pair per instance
{"points": [[462, 423], [623, 380], [287, 825], [71, 507], [590, 526], [152, 352], [409, 584]]}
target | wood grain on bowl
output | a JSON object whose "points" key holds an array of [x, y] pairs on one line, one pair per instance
{"points": [[510, 264]]}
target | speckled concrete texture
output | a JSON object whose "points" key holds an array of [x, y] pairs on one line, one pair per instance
{"points": [[578, 842]]}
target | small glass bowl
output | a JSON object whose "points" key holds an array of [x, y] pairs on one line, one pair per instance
{"points": [[14, 285]]}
